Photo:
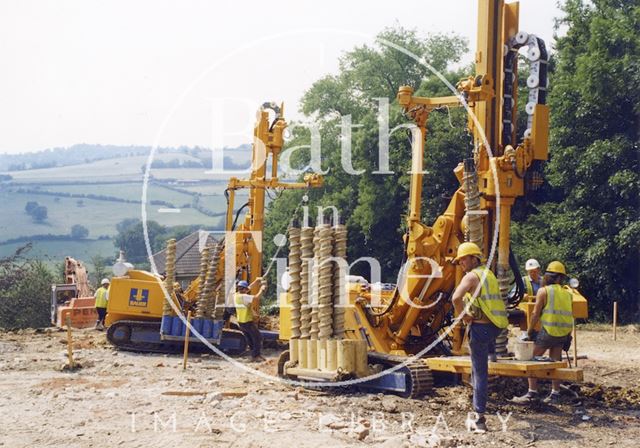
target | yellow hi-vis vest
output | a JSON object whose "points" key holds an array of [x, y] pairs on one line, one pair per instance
{"points": [[528, 285], [489, 299], [243, 312], [101, 297], [557, 315]]}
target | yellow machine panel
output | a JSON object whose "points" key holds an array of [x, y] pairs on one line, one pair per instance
{"points": [[285, 317], [136, 296]]}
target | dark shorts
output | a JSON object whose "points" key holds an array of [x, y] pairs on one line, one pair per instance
{"points": [[545, 340]]}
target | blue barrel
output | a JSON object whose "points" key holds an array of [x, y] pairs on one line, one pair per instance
{"points": [[217, 329], [207, 328], [196, 325], [165, 325], [177, 327]]}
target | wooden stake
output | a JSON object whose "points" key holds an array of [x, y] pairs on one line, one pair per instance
{"points": [[575, 345], [72, 364], [615, 319], [186, 341]]}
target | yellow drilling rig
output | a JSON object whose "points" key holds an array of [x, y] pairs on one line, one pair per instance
{"points": [[338, 330], [140, 315]]}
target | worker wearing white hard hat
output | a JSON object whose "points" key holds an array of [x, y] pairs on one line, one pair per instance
{"points": [[533, 279]]}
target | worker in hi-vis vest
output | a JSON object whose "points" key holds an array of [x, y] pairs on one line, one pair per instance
{"points": [[102, 298], [486, 315], [554, 310], [532, 281], [245, 305]]}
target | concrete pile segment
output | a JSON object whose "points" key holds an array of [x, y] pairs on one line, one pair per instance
{"points": [[170, 277], [295, 269], [306, 253]]}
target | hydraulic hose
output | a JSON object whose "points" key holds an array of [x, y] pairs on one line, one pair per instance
{"points": [[515, 298]]}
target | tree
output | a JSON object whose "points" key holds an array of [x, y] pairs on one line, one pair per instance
{"points": [[79, 232], [373, 205], [177, 232], [126, 224], [131, 239], [39, 213], [30, 207], [25, 288], [100, 269], [591, 216]]}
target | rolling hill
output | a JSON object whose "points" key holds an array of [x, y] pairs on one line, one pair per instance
{"points": [[99, 194]]}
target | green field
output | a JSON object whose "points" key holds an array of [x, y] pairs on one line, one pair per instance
{"points": [[125, 190], [53, 252], [123, 168], [186, 174], [122, 178], [100, 217], [207, 189], [217, 204]]}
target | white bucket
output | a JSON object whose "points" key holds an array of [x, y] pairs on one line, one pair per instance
{"points": [[523, 350]]}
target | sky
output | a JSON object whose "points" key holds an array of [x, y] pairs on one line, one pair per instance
{"points": [[188, 72]]}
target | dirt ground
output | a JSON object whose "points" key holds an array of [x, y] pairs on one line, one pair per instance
{"points": [[141, 400]]}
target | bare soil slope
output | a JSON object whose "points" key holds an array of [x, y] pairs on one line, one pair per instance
{"points": [[135, 400]]}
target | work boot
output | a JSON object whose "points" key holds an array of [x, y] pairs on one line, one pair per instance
{"points": [[552, 398], [479, 426], [530, 396], [97, 327], [258, 358]]}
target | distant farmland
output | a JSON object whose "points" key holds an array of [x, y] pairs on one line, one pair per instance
{"points": [[100, 194], [122, 168], [100, 217], [125, 190], [53, 252]]}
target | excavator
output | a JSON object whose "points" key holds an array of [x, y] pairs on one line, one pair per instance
{"points": [[73, 298], [145, 311], [341, 331]]}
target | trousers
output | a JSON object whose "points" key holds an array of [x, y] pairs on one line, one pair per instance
{"points": [[252, 333], [482, 342], [102, 313]]}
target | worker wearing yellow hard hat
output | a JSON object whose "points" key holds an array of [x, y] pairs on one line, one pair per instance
{"points": [[554, 310], [480, 286], [468, 248]]}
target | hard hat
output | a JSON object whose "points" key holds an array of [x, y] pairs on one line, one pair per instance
{"points": [[556, 267], [105, 281], [531, 264], [243, 284], [468, 249]]}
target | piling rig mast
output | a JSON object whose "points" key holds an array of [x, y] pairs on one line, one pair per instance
{"points": [[140, 316], [503, 166]]}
